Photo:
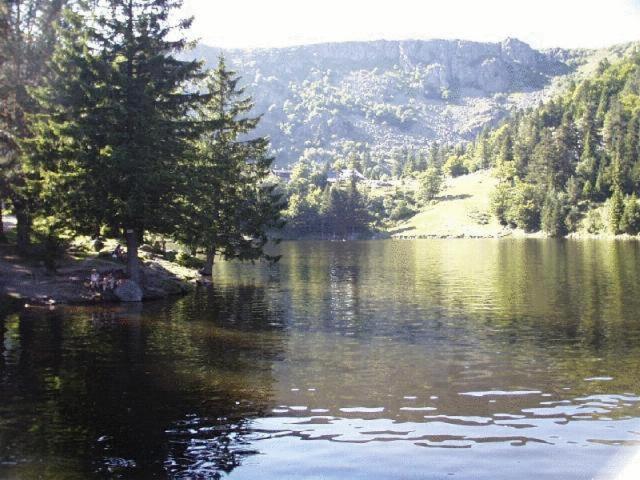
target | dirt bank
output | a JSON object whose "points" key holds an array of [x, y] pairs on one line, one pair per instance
{"points": [[29, 282]]}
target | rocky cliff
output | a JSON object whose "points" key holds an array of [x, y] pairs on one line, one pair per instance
{"points": [[388, 95]]}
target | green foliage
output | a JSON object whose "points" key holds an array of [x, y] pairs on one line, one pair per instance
{"points": [[188, 261], [616, 210], [501, 200], [228, 206], [583, 145], [430, 184], [455, 166], [630, 220], [116, 119], [554, 214], [524, 211], [27, 40], [573, 219], [593, 222], [401, 211]]}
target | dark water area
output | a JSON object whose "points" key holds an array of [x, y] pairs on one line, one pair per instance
{"points": [[479, 359]]}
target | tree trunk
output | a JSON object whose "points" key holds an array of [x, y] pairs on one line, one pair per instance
{"points": [[133, 262], [23, 230], [207, 270], [3, 238]]}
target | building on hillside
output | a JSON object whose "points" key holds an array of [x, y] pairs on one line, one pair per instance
{"points": [[344, 176]]}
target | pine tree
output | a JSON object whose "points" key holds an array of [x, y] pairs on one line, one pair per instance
{"points": [[554, 213], [117, 121], [616, 210], [27, 40], [230, 209]]}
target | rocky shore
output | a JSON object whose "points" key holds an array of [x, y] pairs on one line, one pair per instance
{"points": [[26, 283]]}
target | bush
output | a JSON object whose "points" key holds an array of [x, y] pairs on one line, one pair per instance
{"points": [[525, 207], [430, 184], [189, 261], [572, 222], [630, 220], [170, 255], [593, 222], [500, 202], [454, 166], [49, 249], [616, 210], [401, 211]]}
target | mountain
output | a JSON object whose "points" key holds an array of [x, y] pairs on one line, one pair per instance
{"points": [[327, 100]]}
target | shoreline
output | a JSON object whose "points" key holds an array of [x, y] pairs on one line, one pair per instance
{"points": [[25, 283], [505, 233]]}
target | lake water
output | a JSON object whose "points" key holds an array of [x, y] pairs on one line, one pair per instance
{"points": [[468, 359]]}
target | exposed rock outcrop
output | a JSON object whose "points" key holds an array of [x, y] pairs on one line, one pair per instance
{"points": [[128, 291], [390, 94]]}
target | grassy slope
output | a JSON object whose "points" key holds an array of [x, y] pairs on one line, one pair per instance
{"points": [[456, 211]]}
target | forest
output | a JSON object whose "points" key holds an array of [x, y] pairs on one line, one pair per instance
{"points": [[570, 164], [108, 129], [106, 132]]}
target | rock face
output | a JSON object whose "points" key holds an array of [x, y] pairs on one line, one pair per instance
{"points": [[128, 291], [387, 94]]}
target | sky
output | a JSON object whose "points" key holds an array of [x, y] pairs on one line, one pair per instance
{"points": [[541, 23]]}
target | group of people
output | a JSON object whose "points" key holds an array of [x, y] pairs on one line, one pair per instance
{"points": [[108, 281]]}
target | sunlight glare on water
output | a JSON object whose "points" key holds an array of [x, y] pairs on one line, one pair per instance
{"points": [[419, 359]]}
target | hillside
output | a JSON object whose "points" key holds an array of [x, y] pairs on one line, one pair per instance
{"points": [[329, 100], [461, 210]]}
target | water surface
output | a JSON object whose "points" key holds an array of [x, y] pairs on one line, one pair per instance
{"points": [[478, 359]]}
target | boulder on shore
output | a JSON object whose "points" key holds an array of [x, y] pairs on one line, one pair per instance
{"points": [[128, 291]]}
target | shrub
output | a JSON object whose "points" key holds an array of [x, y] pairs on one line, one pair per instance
{"points": [[593, 222], [616, 210], [401, 211], [500, 202], [525, 207], [630, 220], [454, 166], [188, 261], [572, 222], [430, 184]]}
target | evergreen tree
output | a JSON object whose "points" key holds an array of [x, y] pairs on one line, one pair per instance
{"points": [[616, 210], [229, 207], [27, 40], [554, 213], [430, 184], [117, 123]]}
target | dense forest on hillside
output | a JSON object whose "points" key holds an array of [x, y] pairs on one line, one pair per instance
{"points": [[569, 164], [557, 162]]}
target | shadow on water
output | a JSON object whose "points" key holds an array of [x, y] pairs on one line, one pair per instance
{"points": [[514, 350], [134, 391]]}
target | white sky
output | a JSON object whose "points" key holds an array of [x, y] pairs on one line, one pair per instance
{"points": [[542, 23]]}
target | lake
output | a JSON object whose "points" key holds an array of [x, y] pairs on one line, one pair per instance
{"points": [[468, 359]]}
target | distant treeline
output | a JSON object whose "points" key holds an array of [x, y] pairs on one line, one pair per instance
{"points": [[556, 162]]}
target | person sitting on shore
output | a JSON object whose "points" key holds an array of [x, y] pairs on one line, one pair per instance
{"points": [[94, 280], [108, 282], [118, 252]]}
